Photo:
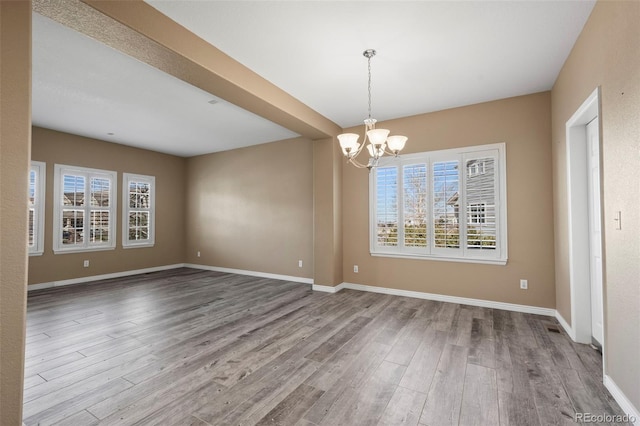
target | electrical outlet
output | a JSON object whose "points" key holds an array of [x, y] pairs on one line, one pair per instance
{"points": [[355, 268], [86, 264], [198, 254], [524, 284], [299, 263]]}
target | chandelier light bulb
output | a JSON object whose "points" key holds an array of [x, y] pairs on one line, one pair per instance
{"points": [[375, 152], [348, 142], [396, 143], [378, 136]]}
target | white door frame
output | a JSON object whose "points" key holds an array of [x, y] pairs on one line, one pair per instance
{"points": [[578, 204]]}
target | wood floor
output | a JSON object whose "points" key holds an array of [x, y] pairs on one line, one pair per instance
{"points": [[189, 347]]}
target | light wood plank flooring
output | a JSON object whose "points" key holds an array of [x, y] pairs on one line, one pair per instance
{"points": [[189, 347]]}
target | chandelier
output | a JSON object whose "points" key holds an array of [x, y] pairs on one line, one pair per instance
{"points": [[380, 142]]}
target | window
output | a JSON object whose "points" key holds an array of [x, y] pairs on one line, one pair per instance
{"points": [[138, 211], [36, 208], [446, 205], [475, 213], [475, 168], [84, 209]]}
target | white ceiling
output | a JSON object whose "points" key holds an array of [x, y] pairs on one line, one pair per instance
{"points": [[432, 55], [84, 87]]}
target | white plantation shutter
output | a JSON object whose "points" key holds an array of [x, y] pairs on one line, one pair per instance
{"points": [[100, 219], [138, 210], [446, 195], [415, 205], [72, 220], [447, 205], [480, 199], [35, 209], [84, 209], [386, 196]]}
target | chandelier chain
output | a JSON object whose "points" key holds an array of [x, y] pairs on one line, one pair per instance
{"points": [[369, 85]]}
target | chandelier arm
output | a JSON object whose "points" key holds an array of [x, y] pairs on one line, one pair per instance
{"points": [[365, 140], [390, 153], [356, 163]]}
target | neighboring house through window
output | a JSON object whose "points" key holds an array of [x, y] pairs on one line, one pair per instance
{"points": [[84, 209], [37, 173], [138, 211], [415, 205]]}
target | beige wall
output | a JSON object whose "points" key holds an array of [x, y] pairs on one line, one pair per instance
{"points": [[327, 212], [523, 123], [15, 129], [62, 148], [607, 54], [252, 208]]}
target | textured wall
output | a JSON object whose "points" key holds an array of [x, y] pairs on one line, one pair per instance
{"points": [[607, 54], [15, 129]]}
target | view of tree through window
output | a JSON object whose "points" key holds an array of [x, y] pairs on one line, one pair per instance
{"points": [[415, 205], [445, 198], [387, 206]]}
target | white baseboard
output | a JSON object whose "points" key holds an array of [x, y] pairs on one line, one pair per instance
{"points": [[569, 330], [441, 298], [328, 288], [623, 401], [252, 273], [92, 278]]}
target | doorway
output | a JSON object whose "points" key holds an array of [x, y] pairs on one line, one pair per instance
{"points": [[585, 233]]}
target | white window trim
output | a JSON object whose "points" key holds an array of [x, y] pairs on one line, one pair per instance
{"points": [[497, 257], [58, 192], [126, 178], [40, 170]]}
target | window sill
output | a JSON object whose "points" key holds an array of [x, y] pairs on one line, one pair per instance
{"points": [[134, 246], [82, 250], [481, 260]]}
